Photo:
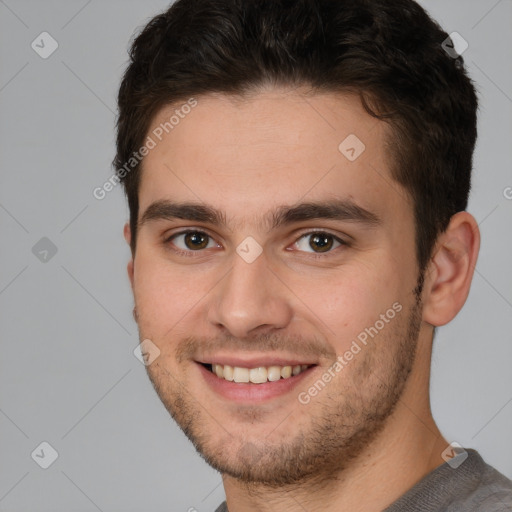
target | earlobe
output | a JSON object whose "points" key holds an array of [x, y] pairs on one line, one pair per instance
{"points": [[449, 275], [129, 268], [128, 238], [127, 233]]}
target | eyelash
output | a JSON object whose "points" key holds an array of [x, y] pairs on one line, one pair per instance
{"points": [[313, 255]]}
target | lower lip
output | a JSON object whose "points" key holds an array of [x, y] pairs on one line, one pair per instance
{"points": [[243, 392]]}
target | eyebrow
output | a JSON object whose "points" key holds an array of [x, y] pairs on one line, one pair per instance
{"points": [[341, 210]]}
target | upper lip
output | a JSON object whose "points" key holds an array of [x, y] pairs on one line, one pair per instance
{"points": [[254, 362]]}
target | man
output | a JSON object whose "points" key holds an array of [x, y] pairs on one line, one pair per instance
{"points": [[297, 175]]}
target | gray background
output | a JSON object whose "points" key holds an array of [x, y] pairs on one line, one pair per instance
{"points": [[68, 375]]}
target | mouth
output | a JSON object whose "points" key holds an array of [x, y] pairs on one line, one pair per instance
{"points": [[254, 383], [258, 375]]}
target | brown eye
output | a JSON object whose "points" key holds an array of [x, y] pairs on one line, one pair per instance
{"points": [[318, 242], [189, 241], [196, 240], [321, 242]]}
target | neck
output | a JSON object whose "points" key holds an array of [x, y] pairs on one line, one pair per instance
{"points": [[407, 449]]}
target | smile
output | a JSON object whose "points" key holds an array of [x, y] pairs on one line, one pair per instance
{"points": [[258, 375]]}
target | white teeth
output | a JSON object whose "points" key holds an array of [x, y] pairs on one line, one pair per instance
{"points": [[240, 374], [274, 373], [228, 372], [218, 370], [286, 371], [257, 375]]}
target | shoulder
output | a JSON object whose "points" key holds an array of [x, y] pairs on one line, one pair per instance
{"points": [[222, 507], [468, 485], [494, 492]]}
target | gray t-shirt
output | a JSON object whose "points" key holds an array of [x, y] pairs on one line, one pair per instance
{"points": [[473, 486]]}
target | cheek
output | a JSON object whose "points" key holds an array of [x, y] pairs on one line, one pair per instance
{"points": [[163, 294], [351, 300]]}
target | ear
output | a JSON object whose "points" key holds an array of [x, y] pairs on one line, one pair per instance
{"points": [[450, 271], [128, 237]]}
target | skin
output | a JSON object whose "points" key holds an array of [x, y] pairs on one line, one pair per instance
{"points": [[369, 435]]}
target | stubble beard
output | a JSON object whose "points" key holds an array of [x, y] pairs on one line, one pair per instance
{"points": [[343, 420]]}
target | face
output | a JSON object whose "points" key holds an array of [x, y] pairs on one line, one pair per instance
{"points": [[275, 272]]}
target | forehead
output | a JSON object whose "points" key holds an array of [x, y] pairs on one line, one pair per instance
{"points": [[249, 155]]}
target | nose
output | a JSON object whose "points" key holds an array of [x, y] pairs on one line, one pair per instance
{"points": [[250, 298]]}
